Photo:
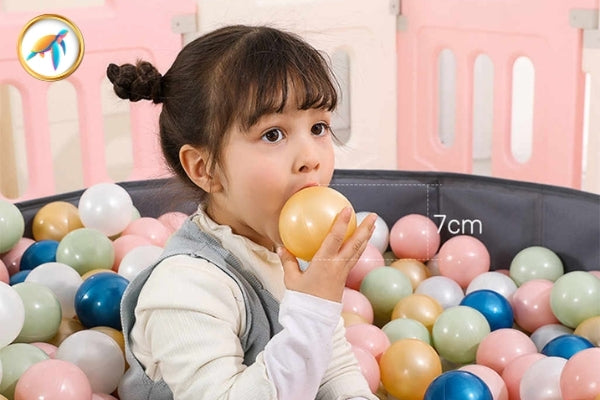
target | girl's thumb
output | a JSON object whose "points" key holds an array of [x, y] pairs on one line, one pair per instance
{"points": [[289, 262]]}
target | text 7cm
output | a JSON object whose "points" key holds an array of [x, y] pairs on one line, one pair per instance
{"points": [[460, 226]]}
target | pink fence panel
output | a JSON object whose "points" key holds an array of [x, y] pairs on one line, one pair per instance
{"points": [[504, 30], [119, 31]]}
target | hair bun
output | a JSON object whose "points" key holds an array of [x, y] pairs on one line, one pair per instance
{"points": [[136, 82]]}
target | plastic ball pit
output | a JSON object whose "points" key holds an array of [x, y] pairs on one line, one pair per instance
{"points": [[507, 216]]}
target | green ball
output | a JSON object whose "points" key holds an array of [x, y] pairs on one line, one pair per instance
{"points": [[575, 297], [85, 249], [12, 225], [15, 359], [384, 287], [457, 333], [535, 262], [406, 328], [42, 312]]}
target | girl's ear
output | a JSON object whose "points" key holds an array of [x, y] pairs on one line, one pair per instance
{"points": [[196, 165]]}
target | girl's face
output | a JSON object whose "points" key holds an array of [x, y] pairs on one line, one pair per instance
{"points": [[262, 167]]}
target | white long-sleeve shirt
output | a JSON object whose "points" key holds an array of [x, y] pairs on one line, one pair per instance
{"points": [[190, 315]]}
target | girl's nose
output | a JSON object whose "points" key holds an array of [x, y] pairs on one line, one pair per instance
{"points": [[308, 157], [309, 165]]}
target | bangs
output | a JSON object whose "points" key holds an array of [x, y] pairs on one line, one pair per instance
{"points": [[282, 72]]}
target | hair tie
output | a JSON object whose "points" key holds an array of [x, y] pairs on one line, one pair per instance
{"points": [[136, 82]]}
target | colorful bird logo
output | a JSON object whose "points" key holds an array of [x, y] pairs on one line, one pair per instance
{"points": [[50, 43]]}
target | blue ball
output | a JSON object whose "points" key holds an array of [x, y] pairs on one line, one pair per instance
{"points": [[494, 307], [19, 277], [566, 346], [98, 299], [458, 385], [38, 253]]}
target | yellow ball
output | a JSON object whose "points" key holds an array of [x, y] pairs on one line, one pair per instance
{"points": [[116, 335], [408, 366], [306, 219], [415, 270], [54, 220], [590, 329], [353, 319], [96, 271], [419, 307], [67, 327]]}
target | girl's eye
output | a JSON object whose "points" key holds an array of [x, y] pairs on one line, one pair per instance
{"points": [[319, 129], [273, 136]]}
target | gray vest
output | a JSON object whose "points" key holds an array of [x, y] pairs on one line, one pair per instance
{"points": [[262, 309]]}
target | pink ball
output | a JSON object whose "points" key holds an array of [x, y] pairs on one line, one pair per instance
{"points": [[414, 236], [462, 258], [47, 348], [596, 273], [531, 305], [514, 370], [368, 366], [12, 258], [580, 377], [355, 302], [491, 378], [150, 228], [368, 337], [123, 244], [53, 380], [4, 273], [370, 259], [173, 220], [502, 346]]}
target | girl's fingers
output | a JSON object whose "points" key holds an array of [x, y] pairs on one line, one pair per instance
{"points": [[334, 245], [357, 243], [333, 241]]}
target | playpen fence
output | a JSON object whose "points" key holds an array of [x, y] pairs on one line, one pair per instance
{"points": [[546, 32], [549, 33], [116, 32]]}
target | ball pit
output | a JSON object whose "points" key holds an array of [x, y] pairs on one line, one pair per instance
{"points": [[392, 195]]}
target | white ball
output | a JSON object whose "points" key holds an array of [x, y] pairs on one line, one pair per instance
{"points": [[12, 314], [106, 207], [138, 259], [98, 355], [62, 280], [542, 335], [446, 291], [495, 281], [541, 381], [381, 235]]}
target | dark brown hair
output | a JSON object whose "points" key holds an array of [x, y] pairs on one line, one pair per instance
{"points": [[233, 75]]}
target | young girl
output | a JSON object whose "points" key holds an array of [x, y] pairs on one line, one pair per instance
{"points": [[227, 313]]}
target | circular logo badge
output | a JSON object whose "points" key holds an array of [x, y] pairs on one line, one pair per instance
{"points": [[50, 47]]}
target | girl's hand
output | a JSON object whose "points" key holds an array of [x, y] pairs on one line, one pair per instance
{"points": [[326, 275]]}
